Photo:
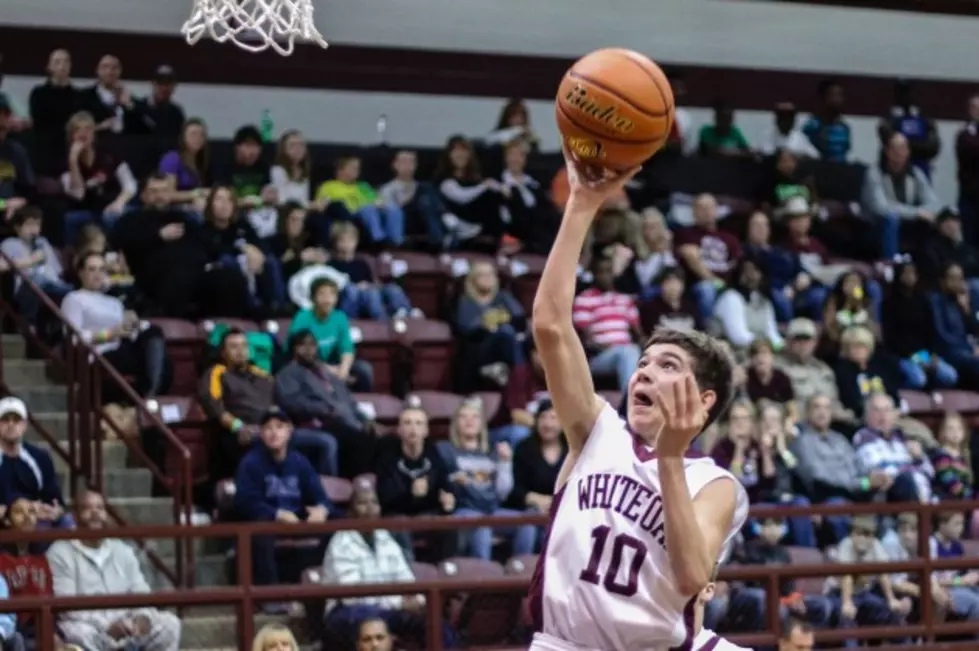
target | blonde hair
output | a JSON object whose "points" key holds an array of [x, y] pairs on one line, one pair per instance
{"points": [[470, 284], [273, 630], [475, 404], [339, 229], [77, 121], [857, 335], [740, 403]]}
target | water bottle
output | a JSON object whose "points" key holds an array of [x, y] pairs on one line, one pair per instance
{"points": [[267, 126], [382, 128]]}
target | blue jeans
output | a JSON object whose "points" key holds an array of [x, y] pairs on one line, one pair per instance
{"points": [[430, 208], [29, 303], [374, 302], [479, 541], [383, 224], [502, 345], [76, 219], [511, 434], [916, 377], [320, 448], [619, 360], [965, 602], [746, 609], [838, 524], [872, 610], [890, 236], [705, 294]]}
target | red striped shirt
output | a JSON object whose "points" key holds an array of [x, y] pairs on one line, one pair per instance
{"points": [[605, 318]]}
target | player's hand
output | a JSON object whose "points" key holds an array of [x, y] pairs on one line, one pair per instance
{"points": [[848, 609], [683, 414], [591, 185]]}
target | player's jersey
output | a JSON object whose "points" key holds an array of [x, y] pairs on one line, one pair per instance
{"points": [[603, 580], [708, 640]]}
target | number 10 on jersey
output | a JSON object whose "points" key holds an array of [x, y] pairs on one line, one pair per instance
{"points": [[625, 550]]}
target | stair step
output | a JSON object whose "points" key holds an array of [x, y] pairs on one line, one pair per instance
{"points": [[220, 631], [43, 398], [54, 423], [115, 455], [14, 346], [211, 570], [120, 482], [26, 372], [144, 510]]}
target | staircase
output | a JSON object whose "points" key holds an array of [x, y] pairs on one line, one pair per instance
{"points": [[129, 490]]}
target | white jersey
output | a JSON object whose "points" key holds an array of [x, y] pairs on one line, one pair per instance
{"points": [[708, 640], [603, 580]]}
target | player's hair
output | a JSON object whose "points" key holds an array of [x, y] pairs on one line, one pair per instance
{"points": [[793, 624], [710, 360]]}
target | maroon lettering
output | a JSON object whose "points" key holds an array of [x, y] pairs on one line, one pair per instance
{"points": [[625, 548]]}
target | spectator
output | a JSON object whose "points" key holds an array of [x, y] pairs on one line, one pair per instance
{"points": [[723, 138], [233, 243], [52, 104], [163, 116], [324, 408], [384, 223], [532, 218], [274, 483], [188, 167], [810, 375], [785, 134], [743, 311], [903, 546], [17, 178], [609, 325], [906, 119], [363, 296], [784, 183], [10, 639], [514, 126], [895, 192], [826, 129], [110, 103], [490, 321], [780, 266], [92, 567], [747, 603], [670, 308], [956, 326], [852, 302], [866, 600], [881, 446], [332, 330], [24, 565], [133, 347], [92, 239], [275, 637], [473, 203], [482, 481], [707, 254], [249, 173], [33, 254], [952, 460], [292, 168], [742, 453], [99, 184], [828, 468], [413, 479], [420, 202], [26, 470], [292, 244], [962, 587], [796, 635], [537, 461], [168, 255], [765, 382], [947, 245], [363, 557], [373, 635], [653, 256], [967, 156], [909, 331]]}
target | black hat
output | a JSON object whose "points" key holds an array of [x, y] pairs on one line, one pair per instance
{"points": [[165, 74], [248, 133], [946, 213], [274, 413]]}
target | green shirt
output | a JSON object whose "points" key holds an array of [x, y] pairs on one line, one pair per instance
{"points": [[734, 140], [332, 333], [353, 195]]}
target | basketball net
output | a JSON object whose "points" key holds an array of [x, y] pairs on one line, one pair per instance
{"points": [[254, 25]]}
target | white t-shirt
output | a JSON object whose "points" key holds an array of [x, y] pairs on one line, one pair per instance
{"points": [[92, 311], [289, 190]]}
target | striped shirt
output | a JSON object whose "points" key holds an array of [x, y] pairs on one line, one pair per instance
{"points": [[605, 319]]}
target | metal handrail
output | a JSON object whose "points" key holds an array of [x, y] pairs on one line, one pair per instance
{"points": [[85, 369]]}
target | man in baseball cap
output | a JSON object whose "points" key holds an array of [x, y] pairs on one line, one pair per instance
{"points": [[25, 469], [165, 115]]}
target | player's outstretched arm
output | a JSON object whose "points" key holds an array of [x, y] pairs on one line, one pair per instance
{"points": [[569, 380]]}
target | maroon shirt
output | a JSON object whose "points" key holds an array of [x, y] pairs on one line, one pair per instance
{"points": [[778, 389], [656, 313], [810, 252], [719, 250]]}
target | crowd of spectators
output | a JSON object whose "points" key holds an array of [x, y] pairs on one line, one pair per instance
{"points": [[825, 345]]}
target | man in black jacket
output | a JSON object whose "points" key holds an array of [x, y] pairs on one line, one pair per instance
{"points": [[947, 245], [111, 103]]}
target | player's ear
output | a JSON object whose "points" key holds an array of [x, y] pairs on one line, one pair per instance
{"points": [[707, 593], [708, 399]]}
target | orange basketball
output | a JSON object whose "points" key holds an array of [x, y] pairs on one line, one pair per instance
{"points": [[615, 108]]}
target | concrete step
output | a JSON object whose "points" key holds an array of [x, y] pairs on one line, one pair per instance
{"points": [[54, 423], [121, 482], [144, 510], [115, 455], [26, 372], [14, 346], [43, 398], [211, 570], [220, 631]]}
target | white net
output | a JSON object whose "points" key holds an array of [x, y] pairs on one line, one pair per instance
{"points": [[254, 25]]}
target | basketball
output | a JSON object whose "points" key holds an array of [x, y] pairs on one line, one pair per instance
{"points": [[615, 108]]}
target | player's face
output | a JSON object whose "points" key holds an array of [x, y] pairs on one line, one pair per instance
{"points": [[659, 363]]}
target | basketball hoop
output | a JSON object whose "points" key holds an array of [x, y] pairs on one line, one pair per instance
{"points": [[254, 25]]}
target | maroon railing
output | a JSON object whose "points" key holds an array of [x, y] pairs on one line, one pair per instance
{"points": [[245, 596], [85, 372]]}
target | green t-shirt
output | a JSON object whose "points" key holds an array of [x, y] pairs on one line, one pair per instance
{"points": [[332, 333], [734, 140]]}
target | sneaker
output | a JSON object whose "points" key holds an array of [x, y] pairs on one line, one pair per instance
{"points": [[415, 313], [498, 373]]}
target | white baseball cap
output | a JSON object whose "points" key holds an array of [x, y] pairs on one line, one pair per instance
{"points": [[13, 405]]}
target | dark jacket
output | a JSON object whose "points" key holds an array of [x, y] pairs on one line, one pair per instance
{"points": [[396, 472], [264, 485], [532, 473], [244, 393], [940, 251], [30, 475], [882, 375], [907, 324], [313, 395], [953, 327], [759, 552]]}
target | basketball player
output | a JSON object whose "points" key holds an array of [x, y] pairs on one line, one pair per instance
{"points": [[637, 524]]}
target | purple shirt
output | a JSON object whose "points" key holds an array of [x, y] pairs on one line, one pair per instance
{"points": [[187, 179]]}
